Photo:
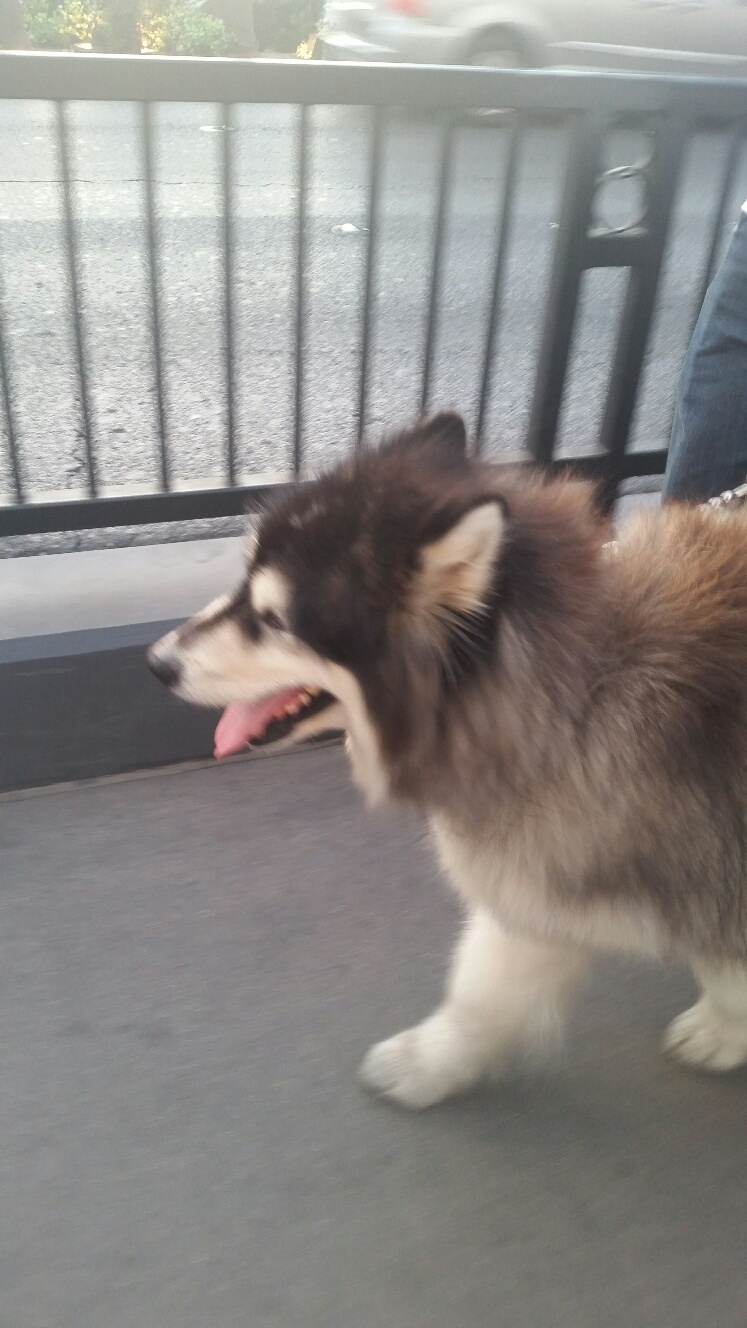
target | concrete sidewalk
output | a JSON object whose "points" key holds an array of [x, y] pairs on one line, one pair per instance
{"points": [[193, 964]]}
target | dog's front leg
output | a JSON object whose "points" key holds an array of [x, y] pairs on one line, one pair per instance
{"points": [[506, 994], [712, 1035]]}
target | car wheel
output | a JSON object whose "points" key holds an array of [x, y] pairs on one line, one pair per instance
{"points": [[497, 51]]}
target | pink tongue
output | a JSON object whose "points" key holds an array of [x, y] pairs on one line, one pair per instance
{"points": [[240, 723]]}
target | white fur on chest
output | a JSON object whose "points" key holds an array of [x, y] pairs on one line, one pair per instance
{"points": [[513, 882]]}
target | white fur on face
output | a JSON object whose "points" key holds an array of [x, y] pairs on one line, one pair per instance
{"points": [[213, 610], [221, 665], [169, 647], [270, 592]]}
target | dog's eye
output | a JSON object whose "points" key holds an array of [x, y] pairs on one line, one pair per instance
{"points": [[270, 619]]}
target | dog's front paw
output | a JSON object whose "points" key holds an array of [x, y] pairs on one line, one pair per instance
{"points": [[702, 1039], [423, 1065]]}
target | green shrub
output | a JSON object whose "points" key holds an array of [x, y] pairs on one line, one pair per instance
{"points": [[281, 25], [118, 33], [180, 29], [58, 25], [174, 27]]}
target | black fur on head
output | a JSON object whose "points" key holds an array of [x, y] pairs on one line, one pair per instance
{"points": [[439, 440], [350, 543], [377, 588]]}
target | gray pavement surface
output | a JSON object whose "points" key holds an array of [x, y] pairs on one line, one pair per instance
{"points": [[109, 195], [192, 966]]}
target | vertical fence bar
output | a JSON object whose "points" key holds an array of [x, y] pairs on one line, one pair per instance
{"points": [[302, 186], [151, 227], [10, 424], [504, 238], [640, 299], [562, 300], [229, 339], [444, 184], [374, 184], [71, 251]]}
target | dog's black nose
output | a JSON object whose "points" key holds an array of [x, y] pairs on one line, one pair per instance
{"points": [[165, 667]]}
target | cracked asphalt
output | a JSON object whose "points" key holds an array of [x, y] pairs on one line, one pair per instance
{"points": [[109, 197]]}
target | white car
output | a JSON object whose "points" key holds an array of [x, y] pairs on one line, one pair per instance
{"points": [[706, 37]]}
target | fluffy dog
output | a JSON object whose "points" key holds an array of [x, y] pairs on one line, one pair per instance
{"points": [[568, 715]]}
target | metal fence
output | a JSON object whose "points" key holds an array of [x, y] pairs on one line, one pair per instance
{"points": [[663, 114]]}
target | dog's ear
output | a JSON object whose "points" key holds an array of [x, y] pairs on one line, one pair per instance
{"points": [[440, 440], [457, 569]]}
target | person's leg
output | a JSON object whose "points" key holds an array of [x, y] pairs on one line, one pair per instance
{"points": [[708, 450]]}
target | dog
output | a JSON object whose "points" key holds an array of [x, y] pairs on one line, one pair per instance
{"points": [[569, 714]]}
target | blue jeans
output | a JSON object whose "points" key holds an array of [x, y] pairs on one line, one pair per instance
{"points": [[708, 449]]}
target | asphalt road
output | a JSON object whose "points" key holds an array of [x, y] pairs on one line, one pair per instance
{"points": [[109, 195]]}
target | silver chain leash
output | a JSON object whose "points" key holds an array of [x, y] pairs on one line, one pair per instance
{"points": [[738, 495], [730, 497]]}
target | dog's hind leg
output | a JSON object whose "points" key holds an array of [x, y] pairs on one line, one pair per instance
{"points": [[506, 994], [712, 1034]]}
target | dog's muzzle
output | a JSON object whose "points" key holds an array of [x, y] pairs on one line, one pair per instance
{"points": [[165, 666]]}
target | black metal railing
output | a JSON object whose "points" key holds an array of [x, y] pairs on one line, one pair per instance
{"points": [[666, 112]]}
